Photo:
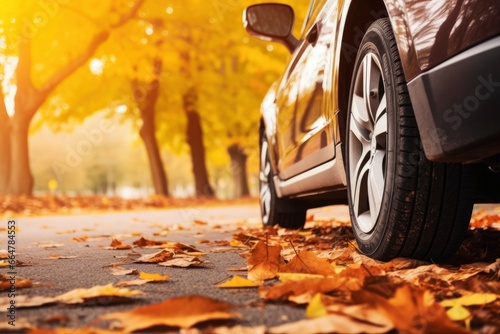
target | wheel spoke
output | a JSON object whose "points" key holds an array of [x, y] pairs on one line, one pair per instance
{"points": [[360, 187], [376, 182]]}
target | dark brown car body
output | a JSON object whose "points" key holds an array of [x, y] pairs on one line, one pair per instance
{"points": [[450, 52]]}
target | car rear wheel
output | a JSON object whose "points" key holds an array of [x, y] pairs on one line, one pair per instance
{"points": [[284, 212], [401, 204]]}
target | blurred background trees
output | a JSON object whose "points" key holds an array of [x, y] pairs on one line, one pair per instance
{"points": [[84, 83]]}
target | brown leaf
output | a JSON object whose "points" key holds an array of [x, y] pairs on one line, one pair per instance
{"points": [[182, 262], [120, 271], [6, 281], [116, 244], [308, 263], [411, 310], [144, 242], [183, 312], [161, 256]]}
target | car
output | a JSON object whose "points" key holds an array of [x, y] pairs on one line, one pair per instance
{"points": [[389, 106]]}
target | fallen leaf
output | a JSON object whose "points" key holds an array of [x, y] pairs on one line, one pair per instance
{"points": [[66, 232], [153, 277], [21, 325], [80, 295], [265, 261], [80, 239], [285, 277], [134, 282], [308, 263], [458, 313], [316, 308], [333, 323], [6, 282], [183, 312], [117, 245], [226, 330], [120, 271], [411, 310], [61, 257], [469, 300], [50, 245], [182, 262], [57, 319], [200, 222], [144, 242], [238, 282], [23, 301], [157, 257], [302, 292]]}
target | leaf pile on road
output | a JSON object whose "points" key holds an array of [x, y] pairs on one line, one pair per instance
{"points": [[318, 270]]}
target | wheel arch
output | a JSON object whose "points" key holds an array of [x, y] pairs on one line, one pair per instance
{"points": [[357, 16]]}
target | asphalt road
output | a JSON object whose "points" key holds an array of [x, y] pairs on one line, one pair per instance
{"points": [[87, 269]]}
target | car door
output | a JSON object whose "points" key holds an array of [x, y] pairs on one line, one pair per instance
{"points": [[303, 136]]}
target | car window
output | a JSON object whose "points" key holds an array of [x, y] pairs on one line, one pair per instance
{"points": [[312, 14]]}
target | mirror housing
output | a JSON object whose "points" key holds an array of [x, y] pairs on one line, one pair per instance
{"points": [[271, 22]]}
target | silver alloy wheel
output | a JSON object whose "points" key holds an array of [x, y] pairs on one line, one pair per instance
{"points": [[368, 142], [265, 191]]}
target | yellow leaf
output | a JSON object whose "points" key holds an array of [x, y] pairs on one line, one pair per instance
{"points": [[238, 282], [153, 277], [80, 295], [285, 277], [458, 313], [316, 308], [468, 300], [305, 233], [235, 243]]}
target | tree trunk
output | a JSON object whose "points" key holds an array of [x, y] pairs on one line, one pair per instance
{"points": [[5, 156], [195, 142], [21, 178], [146, 96], [158, 174], [239, 170]]}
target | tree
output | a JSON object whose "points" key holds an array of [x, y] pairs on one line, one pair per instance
{"points": [[29, 97]]}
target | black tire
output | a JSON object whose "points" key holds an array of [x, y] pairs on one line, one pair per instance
{"points": [[425, 207], [284, 212]]}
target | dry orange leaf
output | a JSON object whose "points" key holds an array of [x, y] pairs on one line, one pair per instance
{"points": [[200, 222], [301, 292], [116, 244], [411, 310], [144, 242], [20, 282], [308, 263], [183, 312], [265, 261]]}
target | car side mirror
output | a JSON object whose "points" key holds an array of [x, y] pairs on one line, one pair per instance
{"points": [[271, 22]]}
